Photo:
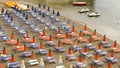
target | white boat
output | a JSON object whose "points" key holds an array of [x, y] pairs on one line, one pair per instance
{"points": [[94, 14], [84, 10]]}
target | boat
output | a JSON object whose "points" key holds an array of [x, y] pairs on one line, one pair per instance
{"points": [[84, 10], [80, 3], [94, 14]]}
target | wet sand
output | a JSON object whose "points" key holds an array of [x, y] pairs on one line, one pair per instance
{"points": [[78, 27]]}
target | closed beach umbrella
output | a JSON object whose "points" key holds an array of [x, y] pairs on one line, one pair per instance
{"points": [[4, 50], [99, 46], [49, 53], [69, 51], [27, 5], [17, 43], [92, 65], [52, 21], [115, 44], [43, 15], [34, 40], [80, 58], [68, 21], [80, 34], [39, 5], [32, 8], [96, 56], [59, 43], [73, 29], [44, 6], [41, 45], [35, 10], [8, 15], [58, 13], [2, 10], [104, 38], [32, 55], [25, 48], [11, 18], [26, 17], [48, 8], [23, 14], [12, 58], [53, 11], [39, 12], [12, 35], [109, 64]]}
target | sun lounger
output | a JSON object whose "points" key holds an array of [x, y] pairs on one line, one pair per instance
{"points": [[81, 39], [5, 57], [50, 43], [101, 52], [33, 15], [79, 65], [105, 44], [14, 65], [50, 59], [11, 42], [90, 46], [42, 51], [76, 48], [34, 45], [113, 60], [87, 33], [26, 54], [33, 62], [5, 38], [60, 66], [2, 34], [71, 57], [73, 34], [98, 62], [88, 55], [60, 49], [95, 38]]}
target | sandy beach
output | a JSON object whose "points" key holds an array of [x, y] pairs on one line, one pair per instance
{"points": [[78, 27]]}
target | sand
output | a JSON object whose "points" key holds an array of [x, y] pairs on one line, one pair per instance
{"points": [[18, 58]]}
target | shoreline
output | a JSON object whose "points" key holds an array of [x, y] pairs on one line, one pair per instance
{"points": [[89, 28]]}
